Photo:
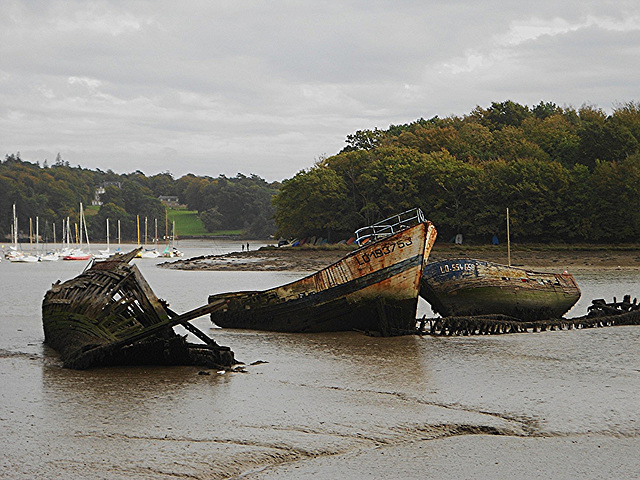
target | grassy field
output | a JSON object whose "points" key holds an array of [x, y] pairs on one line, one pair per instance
{"points": [[188, 224]]}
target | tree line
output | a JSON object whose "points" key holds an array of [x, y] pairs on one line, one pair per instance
{"points": [[52, 193], [566, 175]]}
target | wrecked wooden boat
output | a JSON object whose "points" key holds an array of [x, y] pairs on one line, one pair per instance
{"points": [[373, 289], [468, 287], [108, 315]]}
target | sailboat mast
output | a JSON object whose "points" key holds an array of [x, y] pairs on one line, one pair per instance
{"points": [[86, 231], [15, 227], [166, 225], [80, 222], [508, 241]]}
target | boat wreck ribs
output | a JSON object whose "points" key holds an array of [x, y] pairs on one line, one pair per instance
{"points": [[108, 315]]}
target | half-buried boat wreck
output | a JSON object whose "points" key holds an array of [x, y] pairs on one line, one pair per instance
{"points": [[373, 289], [467, 287], [108, 315]]}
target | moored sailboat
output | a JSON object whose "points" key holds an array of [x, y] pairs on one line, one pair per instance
{"points": [[106, 253], [171, 250], [22, 257], [78, 253], [14, 253]]}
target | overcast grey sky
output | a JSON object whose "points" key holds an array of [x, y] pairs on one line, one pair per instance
{"points": [[220, 87]]}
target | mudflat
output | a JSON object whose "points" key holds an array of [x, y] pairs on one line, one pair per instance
{"points": [[548, 258], [557, 404]]}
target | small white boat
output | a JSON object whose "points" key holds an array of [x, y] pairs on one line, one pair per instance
{"points": [[102, 254], [24, 259], [13, 254], [50, 257]]}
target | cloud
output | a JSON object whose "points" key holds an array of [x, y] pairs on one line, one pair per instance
{"points": [[214, 87]]}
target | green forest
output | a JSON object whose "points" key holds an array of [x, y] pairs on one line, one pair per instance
{"points": [[54, 192], [566, 175]]}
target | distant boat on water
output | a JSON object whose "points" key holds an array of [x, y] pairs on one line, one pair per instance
{"points": [[50, 257], [15, 255], [466, 287], [148, 252], [77, 253], [106, 253], [171, 250], [372, 289]]}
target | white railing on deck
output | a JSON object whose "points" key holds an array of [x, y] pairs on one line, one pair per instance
{"points": [[389, 226]]}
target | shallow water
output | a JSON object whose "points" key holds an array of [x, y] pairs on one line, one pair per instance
{"points": [[340, 405]]}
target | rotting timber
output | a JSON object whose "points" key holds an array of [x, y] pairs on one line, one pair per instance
{"points": [[109, 315], [600, 314]]}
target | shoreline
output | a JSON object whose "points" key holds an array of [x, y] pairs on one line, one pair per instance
{"points": [[541, 258]]}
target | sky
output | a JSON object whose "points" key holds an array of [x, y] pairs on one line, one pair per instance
{"points": [[269, 88]]}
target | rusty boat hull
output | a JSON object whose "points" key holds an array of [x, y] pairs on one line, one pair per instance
{"points": [[468, 287], [373, 289]]}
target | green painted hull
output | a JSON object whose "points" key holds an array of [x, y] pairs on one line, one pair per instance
{"points": [[467, 287]]}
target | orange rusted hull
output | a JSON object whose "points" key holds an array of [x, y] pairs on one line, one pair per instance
{"points": [[373, 289], [466, 287]]}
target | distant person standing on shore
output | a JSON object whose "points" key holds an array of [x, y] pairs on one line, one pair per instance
{"points": [[247, 246]]}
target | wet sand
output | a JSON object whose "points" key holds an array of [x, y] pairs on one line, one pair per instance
{"points": [[311, 259], [342, 405], [560, 404]]}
